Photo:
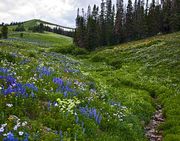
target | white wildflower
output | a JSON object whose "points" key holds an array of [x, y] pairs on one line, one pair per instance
{"points": [[9, 105], [21, 133], [55, 104], [1, 129], [5, 135], [4, 125], [24, 123]]}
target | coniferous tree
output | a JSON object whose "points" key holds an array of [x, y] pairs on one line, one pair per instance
{"points": [[109, 22], [153, 19], [4, 31], [107, 27], [81, 36], [167, 16], [20, 28], [119, 29], [102, 25], [129, 26], [175, 16]]}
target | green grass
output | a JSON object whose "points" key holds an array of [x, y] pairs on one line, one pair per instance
{"points": [[134, 76], [46, 39], [151, 65], [31, 23]]}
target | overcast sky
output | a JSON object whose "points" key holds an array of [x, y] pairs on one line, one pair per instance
{"points": [[61, 12]]}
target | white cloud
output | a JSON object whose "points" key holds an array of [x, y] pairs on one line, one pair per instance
{"points": [[62, 12]]}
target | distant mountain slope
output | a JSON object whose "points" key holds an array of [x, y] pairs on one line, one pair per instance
{"points": [[46, 39], [34, 22]]}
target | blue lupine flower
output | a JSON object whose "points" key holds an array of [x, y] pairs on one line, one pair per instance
{"points": [[25, 61], [10, 137], [61, 135], [7, 91], [31, 86], [91, 113], [44, 71], [64, 88], [58, 81], [26, 137], [4, 70], [11, 86]]}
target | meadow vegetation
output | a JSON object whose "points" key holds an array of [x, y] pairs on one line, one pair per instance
{"points": [[51, 90]]}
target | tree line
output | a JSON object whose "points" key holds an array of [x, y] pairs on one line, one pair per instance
{"points": [[37, 28], [109, 25]]}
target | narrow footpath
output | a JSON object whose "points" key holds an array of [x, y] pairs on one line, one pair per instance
{"points": [[151, 130]]}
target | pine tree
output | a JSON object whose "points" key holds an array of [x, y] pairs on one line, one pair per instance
{"points": [[102, 25], [153, 19], [119, 29], [175, 18], [129, 27], [92, 35], [167, 16], [109, 22], [4, 32], [81, 33]]}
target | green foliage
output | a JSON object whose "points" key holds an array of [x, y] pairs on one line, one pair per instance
{"points": [[116, 63], [38, 28], [120, 82], [8, 57], [133, 23], [20, 28], [73, 50], [21, 35], [4, 32]]}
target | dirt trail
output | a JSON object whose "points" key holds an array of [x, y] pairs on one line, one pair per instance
{"points": [[151, 130]]}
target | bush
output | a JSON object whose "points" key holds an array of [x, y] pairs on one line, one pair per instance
{"points": [[32, 54], [99, 58], [20, 28], [21, 35], [63, 50], [8, 57], [0, 35], [4, 31], [39, 28], [79, 51], [116, 63], [71, 49]]}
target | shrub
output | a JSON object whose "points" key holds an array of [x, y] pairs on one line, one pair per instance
{"points": [[20, 28], [32, 54], [21, 35], [8, 57], [63, 50], [116, 63], [79, 51], [99, 58], [71, 49], [4, 31]]}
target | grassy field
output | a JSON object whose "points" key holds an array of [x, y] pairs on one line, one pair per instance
{"points": [[108, 94], [31, 23]]}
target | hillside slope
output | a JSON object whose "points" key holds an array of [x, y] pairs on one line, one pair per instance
{"points": [[151, 65], [109, 94], [34, 22]]}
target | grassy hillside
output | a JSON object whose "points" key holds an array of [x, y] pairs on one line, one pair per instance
{"points": [[46, 39], [147, 66], [109, 94], [34, 22]]}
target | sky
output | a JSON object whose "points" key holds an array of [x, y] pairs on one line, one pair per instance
{"points": [[62, 12]]}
